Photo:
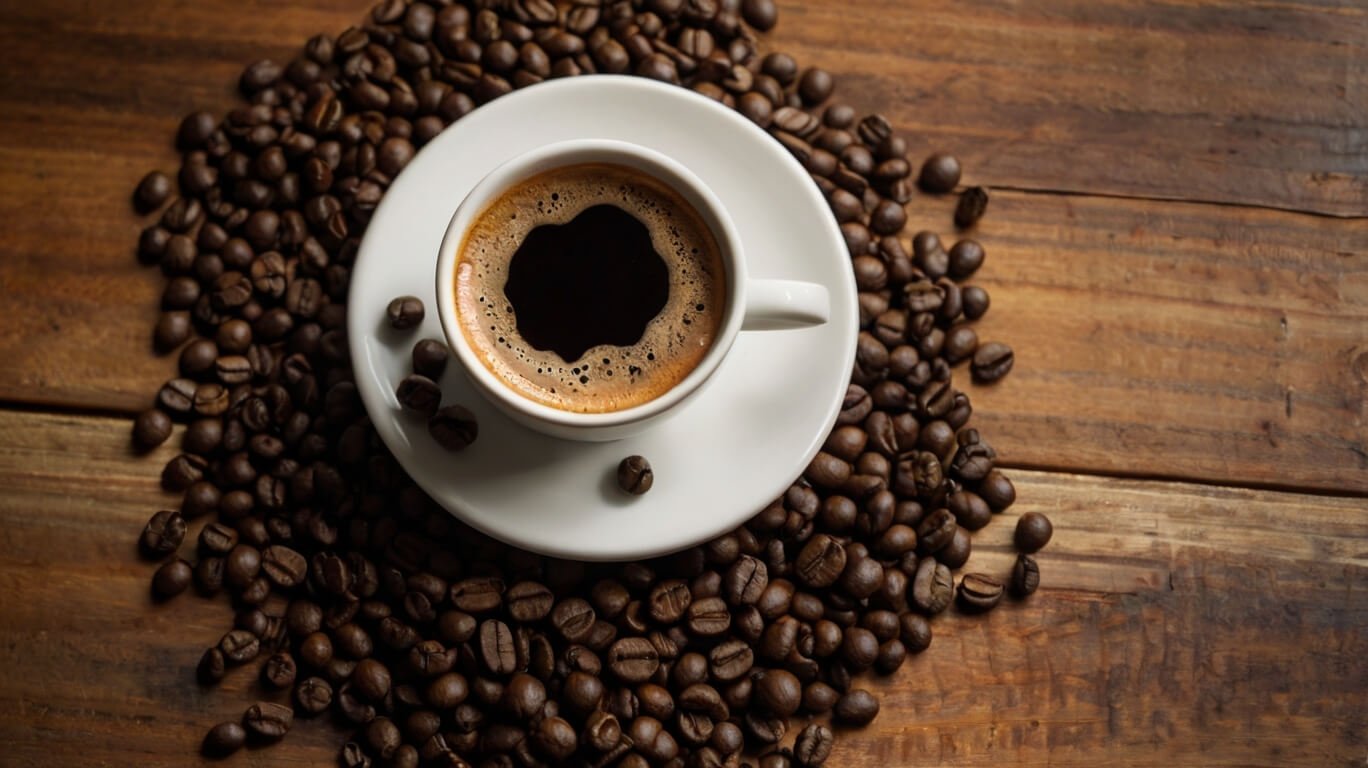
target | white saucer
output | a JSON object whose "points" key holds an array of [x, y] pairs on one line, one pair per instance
{"points": [[735, 448]]}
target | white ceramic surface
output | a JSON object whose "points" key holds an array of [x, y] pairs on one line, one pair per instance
{"points": [[732, 450]]}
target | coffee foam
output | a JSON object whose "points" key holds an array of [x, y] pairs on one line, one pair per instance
{"points": [[606, 377]]}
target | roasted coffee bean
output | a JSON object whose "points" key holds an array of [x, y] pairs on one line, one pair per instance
{"points": [[939, 174], [778, 691], [708, 617], [827, 471], [633, 660], [555, 739], [239, 646], [857, 707], [151, 428], [745, 580], [979, 592], [224, 739], [935, 531], [171, 579], [1033, 531], [153, 190], [668, 601], [813, 746], [975, 301], [1025, 576], [956, 553], [529, 601], [635, 476], [973, 203], [960, 343], [279, 670], [177, 396], [371, 679], [966, 256], [419, 394], [209, 575], [820, 562], [267, 721], [815, 86], [283, 566], [497, 648], [991, 362], [997, 491], [430, 358], [163, 534], [766, 729], [454, 427], [932, 587], [405, 312], [730, 659]]}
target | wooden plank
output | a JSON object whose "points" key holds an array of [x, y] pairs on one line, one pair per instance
{"points": [[1228, 101], [1257, 103], [1178, 624], [1158, 339], [1152, 338]]}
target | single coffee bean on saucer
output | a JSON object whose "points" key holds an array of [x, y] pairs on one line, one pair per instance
{"points": [[405, 312], [430, 358], [419, 394], [454, 427], [635, 476]]}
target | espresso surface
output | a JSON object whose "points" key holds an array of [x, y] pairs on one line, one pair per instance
{"points": [[590, 288]]}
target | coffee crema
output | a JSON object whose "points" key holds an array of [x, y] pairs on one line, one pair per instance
{"points": [[590, 251]]}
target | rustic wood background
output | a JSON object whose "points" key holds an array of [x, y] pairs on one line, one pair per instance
{"points": [[1178, 252]]}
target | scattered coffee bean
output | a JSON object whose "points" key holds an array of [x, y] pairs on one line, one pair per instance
{"points": [[992, 361], [1033, 531], [224, 739], [973, 203], [163, 534], [1025, 576], [813, 745], [979, 592], [635, 476], [857, 707], [405, 312], [267, 721], [939, 174], [171, 579], [151, 428]]}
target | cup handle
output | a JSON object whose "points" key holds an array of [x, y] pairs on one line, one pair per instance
{"points": [[773, 305]]}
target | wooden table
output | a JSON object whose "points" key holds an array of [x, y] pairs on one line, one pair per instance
{"points": [[1178, 252]]}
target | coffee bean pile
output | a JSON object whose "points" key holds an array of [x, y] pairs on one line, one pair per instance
{"points": [[356, 594]]}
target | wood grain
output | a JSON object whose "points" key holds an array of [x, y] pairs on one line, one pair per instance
{"points": [[1152, 338], [1224, 101], [1177, 624]]}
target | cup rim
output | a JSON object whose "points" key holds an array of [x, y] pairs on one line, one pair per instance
{"points": [[574, 152]]}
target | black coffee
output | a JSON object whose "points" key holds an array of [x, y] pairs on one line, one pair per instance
{"points": [[590, 288]]}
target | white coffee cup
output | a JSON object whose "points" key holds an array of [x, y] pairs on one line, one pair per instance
{"points": [[751, 304]]}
